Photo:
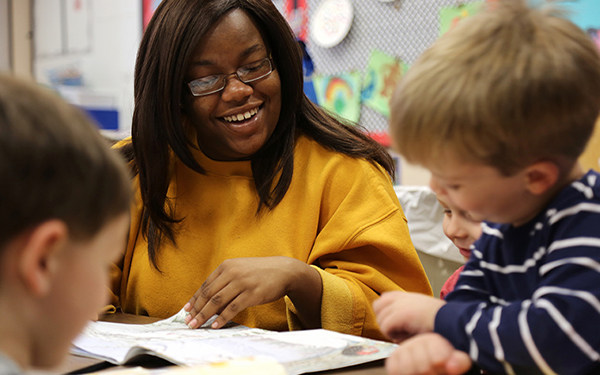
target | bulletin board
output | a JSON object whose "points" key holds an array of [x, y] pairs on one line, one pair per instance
{"points": [[400, 29]]}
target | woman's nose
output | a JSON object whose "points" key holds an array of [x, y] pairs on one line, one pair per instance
{"points": [[235, 89]]}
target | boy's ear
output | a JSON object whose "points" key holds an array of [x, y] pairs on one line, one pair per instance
{"points": [[541, 176], [38, 256]]}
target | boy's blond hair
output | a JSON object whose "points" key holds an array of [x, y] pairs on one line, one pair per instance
{"points": [[507, 87]]}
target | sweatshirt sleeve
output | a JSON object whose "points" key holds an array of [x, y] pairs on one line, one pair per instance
{"points": [[363, 249], [555, 330]]}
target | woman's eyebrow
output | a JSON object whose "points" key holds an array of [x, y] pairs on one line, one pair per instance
{"points": [[250, 50]]}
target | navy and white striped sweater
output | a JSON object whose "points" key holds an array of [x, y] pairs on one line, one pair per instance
{"points": [[528, 300]]}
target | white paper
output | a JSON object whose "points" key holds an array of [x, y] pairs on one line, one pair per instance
{"points": [[298, 351]]}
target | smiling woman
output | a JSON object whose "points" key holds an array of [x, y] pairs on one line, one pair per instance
{"points": [[233, 117], [252, 202]]}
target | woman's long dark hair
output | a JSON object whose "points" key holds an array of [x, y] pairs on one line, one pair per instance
{"points": [[157, 130]]}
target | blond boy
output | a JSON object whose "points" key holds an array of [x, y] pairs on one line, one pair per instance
{"points": [[499, 110], [64, 199]]}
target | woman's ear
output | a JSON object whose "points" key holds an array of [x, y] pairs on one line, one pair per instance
{"points": [[541, 176], [38, 260]]}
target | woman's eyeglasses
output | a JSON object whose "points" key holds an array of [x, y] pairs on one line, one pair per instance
{"points": [[247, 73]]}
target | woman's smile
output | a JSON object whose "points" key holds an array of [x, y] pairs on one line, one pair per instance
{"points": [[244, 124], [236, 121], [240, 117]]}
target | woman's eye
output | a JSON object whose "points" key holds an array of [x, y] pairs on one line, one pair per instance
{"points": [[249, 69], [252, 68], [205, 81]]}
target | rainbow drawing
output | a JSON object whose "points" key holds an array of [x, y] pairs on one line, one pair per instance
{"points": [[339, 94]]}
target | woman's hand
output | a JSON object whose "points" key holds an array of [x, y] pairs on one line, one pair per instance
{"points": [[244, 282]]}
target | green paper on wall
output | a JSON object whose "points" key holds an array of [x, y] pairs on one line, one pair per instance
{"points": [[339, 94], [383, 73], [450, 16]]}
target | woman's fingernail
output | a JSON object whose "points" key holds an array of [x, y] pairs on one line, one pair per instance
{"points": [[215, 325], [187, 306], [193, 323], [188, 318]]}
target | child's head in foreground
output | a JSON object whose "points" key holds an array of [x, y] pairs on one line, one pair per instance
{"points": [[64, 201], [499, 110]]}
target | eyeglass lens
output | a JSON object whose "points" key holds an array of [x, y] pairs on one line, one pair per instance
{"points": [[247, 73]]}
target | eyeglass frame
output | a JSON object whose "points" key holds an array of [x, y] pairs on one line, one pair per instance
{"points": [[226, 77]]}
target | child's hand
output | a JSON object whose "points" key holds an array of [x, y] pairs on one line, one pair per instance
{"points": [[402, 314], [427, 353]]}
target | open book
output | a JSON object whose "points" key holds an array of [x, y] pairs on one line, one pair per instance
{"points": [[170, 339]]}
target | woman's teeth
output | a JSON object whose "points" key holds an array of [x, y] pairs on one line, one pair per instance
{"points": [[241, 116]]}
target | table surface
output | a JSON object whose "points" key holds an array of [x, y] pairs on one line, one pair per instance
{"points": [[80, 365]]}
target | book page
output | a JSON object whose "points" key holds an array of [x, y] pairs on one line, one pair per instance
{"points": [[171, 339]]}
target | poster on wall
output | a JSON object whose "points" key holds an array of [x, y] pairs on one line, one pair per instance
{"points": [[296, 13], [381, 77], [339, 94], [148, 8], [583, 13], [595, 35], [451, 16]]}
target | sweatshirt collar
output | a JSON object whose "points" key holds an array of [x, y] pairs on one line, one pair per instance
{"points": [[241, 168]]}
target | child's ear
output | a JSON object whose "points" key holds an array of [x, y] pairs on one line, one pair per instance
{"points": [[541, 176], [38, 257]]}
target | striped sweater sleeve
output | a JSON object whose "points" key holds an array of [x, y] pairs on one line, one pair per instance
{"points": [[528, 301]]}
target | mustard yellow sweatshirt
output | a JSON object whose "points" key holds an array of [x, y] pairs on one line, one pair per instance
{"points": [[340, 215]]}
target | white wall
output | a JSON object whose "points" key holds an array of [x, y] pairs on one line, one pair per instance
{"points": [[107, 65], [5, 52], [413, 175], [21, 59]]}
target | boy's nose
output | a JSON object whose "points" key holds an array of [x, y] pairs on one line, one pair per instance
{"points": [[455, 230]]}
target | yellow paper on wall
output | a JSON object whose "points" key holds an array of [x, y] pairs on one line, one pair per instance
{"points": [[590, 159]]}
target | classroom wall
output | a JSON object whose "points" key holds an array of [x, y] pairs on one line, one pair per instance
{"points": [[114, 29], [21, 38], [107, 64], [4, 37], [591, 156], [101, 45]]}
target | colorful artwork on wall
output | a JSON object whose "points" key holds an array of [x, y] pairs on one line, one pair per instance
{"points": [[148, 8], [339, 94], [296, 13], [595, 35], [381, 77], [451, 16], [584, 13]]}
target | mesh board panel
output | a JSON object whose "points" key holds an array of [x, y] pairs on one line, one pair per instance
{"points": [[401, 28]]}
